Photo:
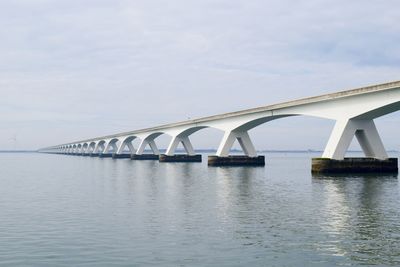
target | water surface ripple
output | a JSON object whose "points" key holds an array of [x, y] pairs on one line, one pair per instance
{"points": [[76, 211]]}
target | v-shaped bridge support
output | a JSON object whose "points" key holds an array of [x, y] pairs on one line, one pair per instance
{"points": [[366, 133]]}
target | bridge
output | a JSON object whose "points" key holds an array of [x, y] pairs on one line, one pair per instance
{"points": [[353, 110]]}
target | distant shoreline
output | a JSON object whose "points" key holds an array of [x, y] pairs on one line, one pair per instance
{"points": [[18, 151], [214, 150]]}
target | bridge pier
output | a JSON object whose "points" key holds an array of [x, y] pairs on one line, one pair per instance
{"points": [[376, 159], [145, 141], [145, 157], [354, 165], [98, 149], [216, 161], [180, 158], [105, 155], [366, 134], [121, 156], [222, 158], [170, 155], [127, 142]]}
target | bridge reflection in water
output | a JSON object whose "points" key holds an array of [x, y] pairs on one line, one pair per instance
{"points": [[354, 215]]}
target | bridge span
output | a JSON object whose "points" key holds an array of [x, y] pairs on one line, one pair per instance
{"points": [[353, 110]]}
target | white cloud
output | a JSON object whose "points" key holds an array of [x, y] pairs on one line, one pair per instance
{"points": [[76, 69]]}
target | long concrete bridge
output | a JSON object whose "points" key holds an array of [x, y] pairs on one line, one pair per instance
{"points": [[353, 110]]}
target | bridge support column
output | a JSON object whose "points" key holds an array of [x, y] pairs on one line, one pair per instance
{"points": [[86, 152], [139, 153], [120, 150], [108, 145], [79, 151], [74, 151], [222, 158], [333, 159], [83, 150], [89, 150], [120, 155], [190, 155], [98, 149]]}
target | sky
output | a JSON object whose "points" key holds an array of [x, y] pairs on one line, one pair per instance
{"points": [[76, 69]]}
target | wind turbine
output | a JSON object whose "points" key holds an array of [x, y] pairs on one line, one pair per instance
{"points": [[14, 139]]}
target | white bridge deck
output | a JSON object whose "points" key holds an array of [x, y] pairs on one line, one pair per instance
{"points": [[354, 111]]}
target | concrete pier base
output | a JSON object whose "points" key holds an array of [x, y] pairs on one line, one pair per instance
{"points": [[121, 156], [354, 165], [236, 161], [145, 157], [105, 155], [180, 158]]}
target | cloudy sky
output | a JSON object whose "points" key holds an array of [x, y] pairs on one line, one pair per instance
{"points": [[73, 69]]}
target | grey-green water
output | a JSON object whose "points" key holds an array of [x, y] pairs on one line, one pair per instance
{"points": [[75, 211]]}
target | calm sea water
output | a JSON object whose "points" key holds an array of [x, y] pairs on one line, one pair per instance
{"points": [[74, 211]]}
